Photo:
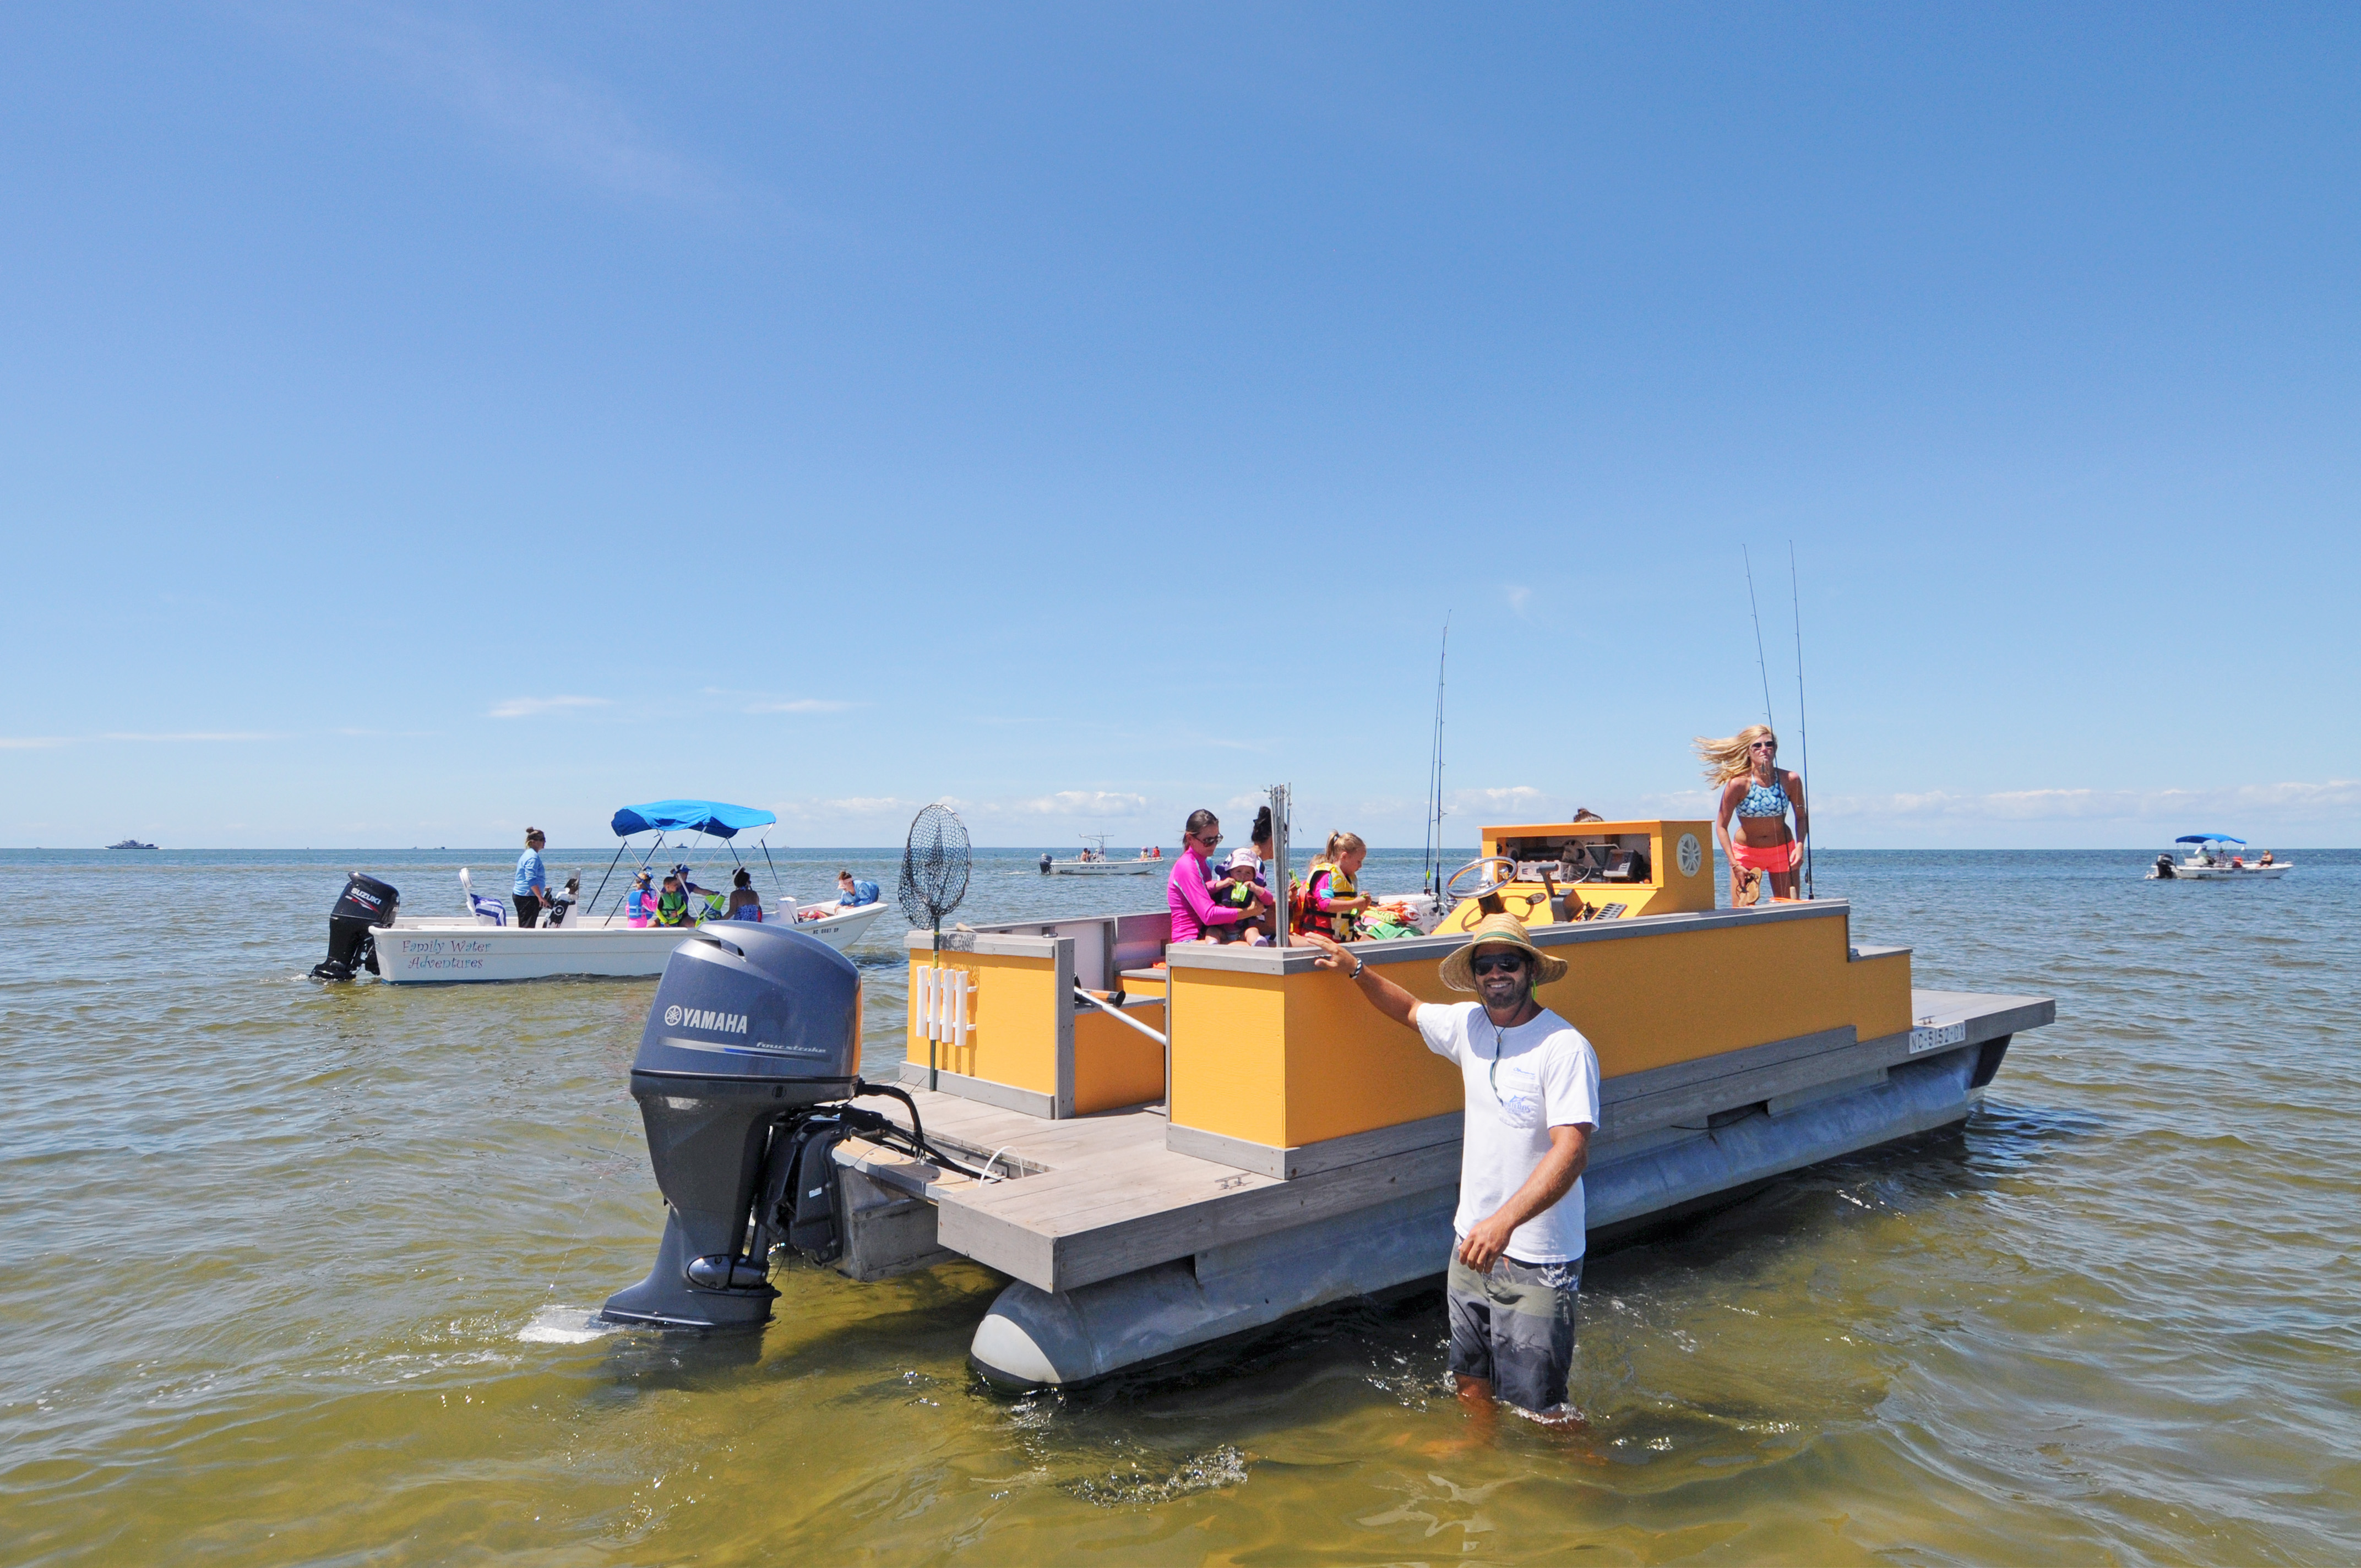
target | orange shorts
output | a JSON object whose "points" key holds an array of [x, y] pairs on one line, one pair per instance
{"points": [[1784, 857]]}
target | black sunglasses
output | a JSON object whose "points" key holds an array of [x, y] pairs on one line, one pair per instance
{"points": [[1498, 963]]}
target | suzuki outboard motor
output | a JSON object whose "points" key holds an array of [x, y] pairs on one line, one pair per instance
{"points": [[748, 1030], [366, 905]]}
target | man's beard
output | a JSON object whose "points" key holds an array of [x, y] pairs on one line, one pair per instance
{"points": [[1506, 999]]}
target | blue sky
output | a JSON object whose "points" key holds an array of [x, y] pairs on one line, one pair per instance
{"points": [[418, 421]]}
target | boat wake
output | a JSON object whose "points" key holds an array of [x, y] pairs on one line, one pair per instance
{"points": [[564, 1325]]}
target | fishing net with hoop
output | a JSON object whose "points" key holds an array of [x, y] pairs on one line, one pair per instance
{"points": [[934, 880], [933, 869]]}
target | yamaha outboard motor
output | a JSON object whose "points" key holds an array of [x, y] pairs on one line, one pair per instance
{"points": [[366, 904], [748, 1030]]}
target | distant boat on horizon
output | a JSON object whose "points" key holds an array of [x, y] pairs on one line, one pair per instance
{"points": [[131, 844]]}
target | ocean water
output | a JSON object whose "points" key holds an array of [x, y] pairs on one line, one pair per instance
{"points": [[301, 1274]]}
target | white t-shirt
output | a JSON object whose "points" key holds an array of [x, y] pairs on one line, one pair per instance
{"points": [[1547, 1075]]}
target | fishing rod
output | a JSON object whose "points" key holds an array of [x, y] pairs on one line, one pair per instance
{"points": [[1802, 724], [1761, 667], [1433, 866]]}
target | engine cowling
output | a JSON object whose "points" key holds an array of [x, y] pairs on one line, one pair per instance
{"points": [[751, 1022]]}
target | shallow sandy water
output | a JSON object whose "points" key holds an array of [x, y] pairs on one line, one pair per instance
{"points": [[294, 1274]]}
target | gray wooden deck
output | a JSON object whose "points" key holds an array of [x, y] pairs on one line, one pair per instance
{"points": [[1103, 1196]]}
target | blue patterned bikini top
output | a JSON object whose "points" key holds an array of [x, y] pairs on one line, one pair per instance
{"points": [[1765, 800]]}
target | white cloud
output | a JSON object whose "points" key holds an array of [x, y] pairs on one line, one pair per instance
{"points": [[48, 742], [571, 126], [527, 706], [2293, 801], [797, 705], [1076, 803], [858, 807], [1519, 795], [207, 735]]}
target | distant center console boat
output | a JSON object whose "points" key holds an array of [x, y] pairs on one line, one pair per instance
{"points": [[2217, 857], [1094, 860], [366, 931]]}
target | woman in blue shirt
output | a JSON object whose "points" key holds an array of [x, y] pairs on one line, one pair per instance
{"points": [[531, 890]]}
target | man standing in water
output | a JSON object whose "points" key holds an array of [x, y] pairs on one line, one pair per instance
{"points": [[1531, 1085]]}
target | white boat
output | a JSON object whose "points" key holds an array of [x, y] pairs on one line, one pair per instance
{"points": [[434, 951], [366, 930], [2211, 856], [1098, 862]]}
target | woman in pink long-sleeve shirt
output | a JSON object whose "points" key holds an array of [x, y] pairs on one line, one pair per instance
{"points": [[1193, 908]]}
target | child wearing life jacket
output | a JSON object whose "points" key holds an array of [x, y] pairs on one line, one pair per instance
{"points": [[1331, 899], [640, 903], [1240, 889], [672, 905]]}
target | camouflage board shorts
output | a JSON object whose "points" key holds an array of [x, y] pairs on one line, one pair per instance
{"points": [[1514, 1328]]}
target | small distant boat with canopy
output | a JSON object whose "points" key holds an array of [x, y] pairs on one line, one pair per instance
{"points": [[596, 936], [1094, 860], [2217, 857]]}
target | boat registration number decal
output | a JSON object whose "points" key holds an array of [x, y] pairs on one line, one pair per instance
{"points": [[1936, 1039]]}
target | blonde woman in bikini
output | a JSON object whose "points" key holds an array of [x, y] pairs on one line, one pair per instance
{"points": [[1758, 794]]}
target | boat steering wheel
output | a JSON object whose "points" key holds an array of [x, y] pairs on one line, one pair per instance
{"points": [[1489, 883]]}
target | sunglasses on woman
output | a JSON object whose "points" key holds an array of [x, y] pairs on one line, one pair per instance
{"points": [[1498, 963], [1762, 745]]}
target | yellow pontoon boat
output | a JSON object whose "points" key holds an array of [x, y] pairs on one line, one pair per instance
{"points": [[1164, 1146]]}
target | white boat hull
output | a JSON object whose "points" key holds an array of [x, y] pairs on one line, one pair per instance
{"points": [[2223, 873], [1107, 868], [447, 951]]}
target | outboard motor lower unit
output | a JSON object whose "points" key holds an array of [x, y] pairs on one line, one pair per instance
{"points": [[366, 905], [747, 1031]]}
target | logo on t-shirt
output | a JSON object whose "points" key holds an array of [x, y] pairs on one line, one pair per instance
{"points": [[1518, 1087]]}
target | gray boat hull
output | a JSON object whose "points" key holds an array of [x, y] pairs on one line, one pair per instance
{"points": [[1033, 1338]]}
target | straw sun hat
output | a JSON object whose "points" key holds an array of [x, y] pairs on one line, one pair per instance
{"points": [[1498, 931]]}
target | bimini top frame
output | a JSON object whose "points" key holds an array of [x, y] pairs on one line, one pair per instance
{"points": [[717, 818]]}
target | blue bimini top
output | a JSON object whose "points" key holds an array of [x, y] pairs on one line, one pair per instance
{"points": [[716, 818]]}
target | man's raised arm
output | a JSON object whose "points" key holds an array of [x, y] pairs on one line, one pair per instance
{"points": [[1384, 995]]}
